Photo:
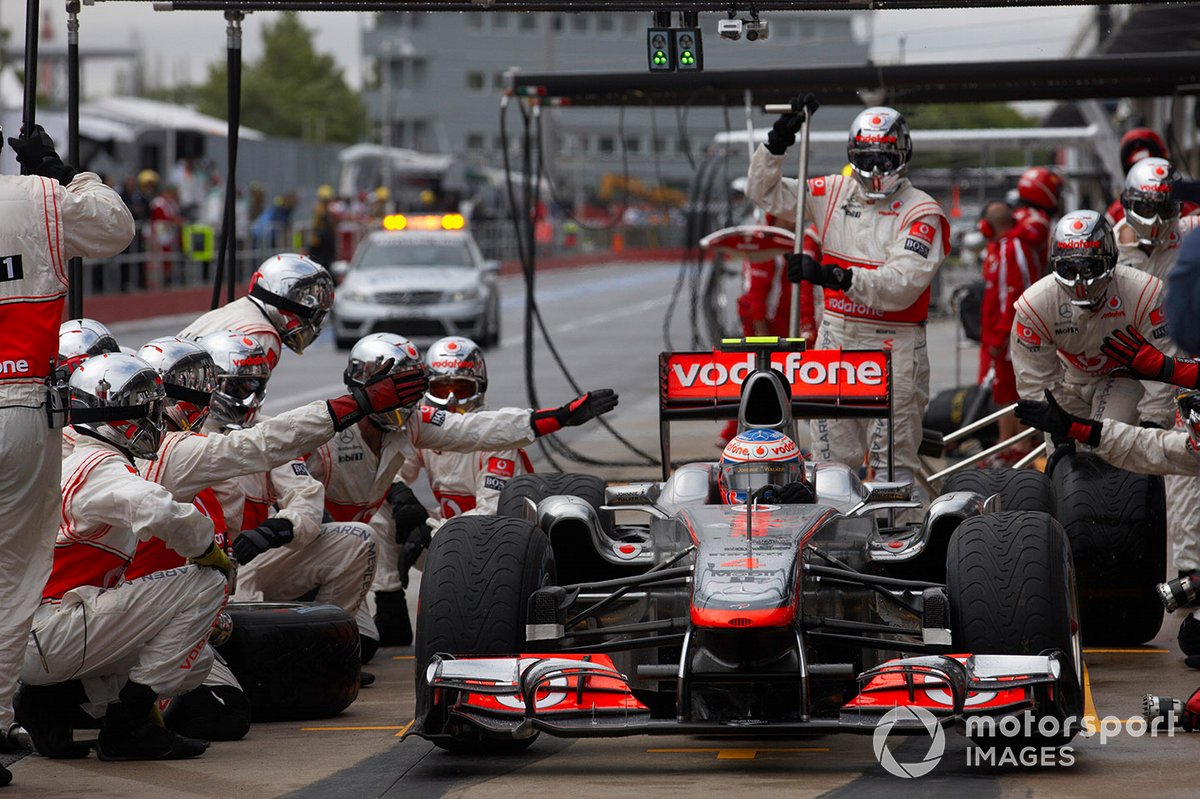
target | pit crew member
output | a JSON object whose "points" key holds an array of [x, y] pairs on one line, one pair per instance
{"points": [[129, 642], [1039, 195], [359, 465], [52, 214], [882, 242], [289, 297]]}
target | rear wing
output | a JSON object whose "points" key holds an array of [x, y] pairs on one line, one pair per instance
{"points": [[824, 384]]}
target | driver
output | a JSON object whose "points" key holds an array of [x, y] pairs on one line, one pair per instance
{"points": [[761, 459]]}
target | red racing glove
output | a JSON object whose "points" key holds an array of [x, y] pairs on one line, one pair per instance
{"points": [[383, 392], [576, 412], [1132, 351]]}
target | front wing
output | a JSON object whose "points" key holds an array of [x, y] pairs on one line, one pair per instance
{"points": [[585, 696]]}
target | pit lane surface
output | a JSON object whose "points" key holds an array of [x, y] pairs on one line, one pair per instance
{"points": [[608, 324]]}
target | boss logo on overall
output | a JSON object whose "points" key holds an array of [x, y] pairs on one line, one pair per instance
{"points": [[10, 268]]}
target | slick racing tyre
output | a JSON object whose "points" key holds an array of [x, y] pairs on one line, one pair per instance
{"points": [[1011, 586], [479, 574], [294, 660], [1116, 523], [1019, 489], [577, 558]]}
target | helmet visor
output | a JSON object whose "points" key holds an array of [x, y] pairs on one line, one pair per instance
{"points": [[243, 388], [461, 387], [1146, 207], [1189, 415], [1078, 268], [883, 161], [740, 480]]}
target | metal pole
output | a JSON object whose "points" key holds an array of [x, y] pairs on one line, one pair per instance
{"points": [[801, 207], [1037, 451], [28, 116], [227, 252], [74, 265], [978, 424], [987, 453]]}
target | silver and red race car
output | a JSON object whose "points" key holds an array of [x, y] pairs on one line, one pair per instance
{"points": [[652, 608]]}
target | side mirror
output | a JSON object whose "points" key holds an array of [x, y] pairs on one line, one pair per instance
{"points": [[338, 270], [880, 491], [490, 267]]}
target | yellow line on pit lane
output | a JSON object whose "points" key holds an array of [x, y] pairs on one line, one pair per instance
{"points": [[1138, 651], [355, 729], [405, 728], [1091, 718], [403, 657], [740, 753]]}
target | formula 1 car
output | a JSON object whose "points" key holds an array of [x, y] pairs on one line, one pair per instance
{"points": [[754, 619]]}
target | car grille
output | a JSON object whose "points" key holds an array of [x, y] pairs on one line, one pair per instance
{"points": [[410, 328], [408, 297]]}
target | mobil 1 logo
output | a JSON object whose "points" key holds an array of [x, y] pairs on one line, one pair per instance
{"points": [[10, 268]]}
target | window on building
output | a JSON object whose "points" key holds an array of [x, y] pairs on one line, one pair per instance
{"points": [[605, 144], [527, 22], [418, 20], [781, 28], [474, 20], [420, 74], [498, 143], [629, 23], [581, 23], [660, 144], [498, 81], [475, 141], [556, 23], [499, 21], [606, 23], [476, 81], [633, 145]]}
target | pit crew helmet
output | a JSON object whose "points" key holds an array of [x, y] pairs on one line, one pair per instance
{"points": [[242, 374], [1151, 207], [1083, 254], [295, 293], [1139, 143], [1189, 414], [368, 357], [1041, 188], [80, 339], [119, 398], [189, 378], [457, 374], [756, 458], [879, 150]]}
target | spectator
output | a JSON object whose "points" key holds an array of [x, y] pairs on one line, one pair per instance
{"points": [[322, 241], [165, 222], [190, 181]]}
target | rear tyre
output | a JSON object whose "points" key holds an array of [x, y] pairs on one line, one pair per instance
{"points": [[1011, 585], [479, 574], [1019, 489], [1116, 523], [577, 558]]}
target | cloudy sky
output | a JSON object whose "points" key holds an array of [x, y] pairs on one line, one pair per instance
{"points": [[178, 45]]}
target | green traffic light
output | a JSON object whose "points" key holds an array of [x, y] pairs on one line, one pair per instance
{"points": [[660, 57], [686, 57]]}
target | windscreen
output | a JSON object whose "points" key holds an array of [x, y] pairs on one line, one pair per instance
{"points": [[392, 254]]}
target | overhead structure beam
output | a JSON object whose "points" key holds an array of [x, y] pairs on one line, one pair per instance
{"points": [[1156, 75], [570, 6]]}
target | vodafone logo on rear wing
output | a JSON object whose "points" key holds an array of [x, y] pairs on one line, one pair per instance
{"points": [[850, 376]]}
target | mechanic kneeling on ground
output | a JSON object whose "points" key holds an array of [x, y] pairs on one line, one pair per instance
{"points": [[359, 465], [882, 241]]}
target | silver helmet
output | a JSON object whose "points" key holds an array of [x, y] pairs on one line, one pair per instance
{"points": [[242, 374], [1151, 207], [1083, 255], [295, 293], [1189, 414], [79, 339], [369, 355], [457, 374], [119, 398], [879, 150], [189, 377]]}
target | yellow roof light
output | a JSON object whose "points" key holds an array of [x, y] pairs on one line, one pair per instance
{"points": [[453, 222], [395, 222], [424, 222]]}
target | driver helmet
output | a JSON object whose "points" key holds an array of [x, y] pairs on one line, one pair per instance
{"points": [[368, 356], [1139, 143], [1041, 188], [757, 458], [119, 398], [1151, 207], [80, 339], [879, 150], [189, 377], [242, 374], [1083, 255], [457, 375], [295, 293], [1189, 414]]}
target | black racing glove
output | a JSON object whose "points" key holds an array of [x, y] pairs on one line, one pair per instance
{"points": [[407, 510], [383, 392], [418, 541], [268, 535], [795, 493], [783, 132], [1049, 417], [576, 412], [805, 267], [35, 151]]}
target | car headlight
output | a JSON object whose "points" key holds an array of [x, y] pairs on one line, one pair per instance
{"points": [[463, 295], [356, 296]]}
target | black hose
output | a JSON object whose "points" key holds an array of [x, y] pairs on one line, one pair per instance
{"points": [[226, 251], [74, 265]]}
